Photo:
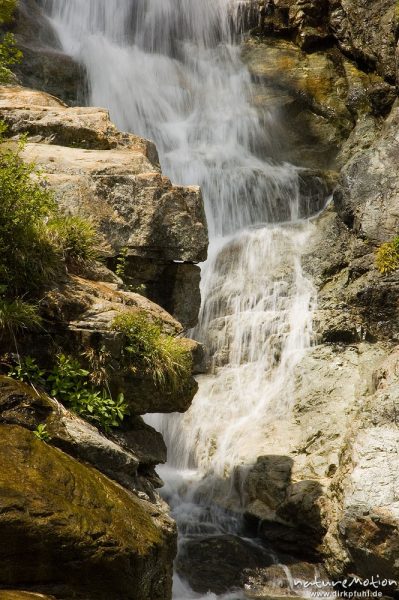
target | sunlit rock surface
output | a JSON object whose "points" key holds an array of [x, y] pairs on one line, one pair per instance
{"points": [[115, 180]]}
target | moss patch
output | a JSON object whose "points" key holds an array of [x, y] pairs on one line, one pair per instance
{"points": [[387, 256], [61, 520]]}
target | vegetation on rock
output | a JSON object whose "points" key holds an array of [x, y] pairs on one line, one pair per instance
{"points": [[9, 53], [69, 383], [36, 242], [16, 315], [7, 8], [41, 433], [76, 238], [387, 257], [149, 351]]}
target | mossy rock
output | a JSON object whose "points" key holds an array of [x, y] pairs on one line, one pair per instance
{"points": [[63, 523]]}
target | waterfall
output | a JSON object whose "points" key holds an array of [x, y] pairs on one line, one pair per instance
{"points": [[170, 70]]}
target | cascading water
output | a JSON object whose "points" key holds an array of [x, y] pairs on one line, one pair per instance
{"points": [[171, 71]]}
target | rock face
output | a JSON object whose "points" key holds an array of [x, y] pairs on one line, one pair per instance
{"points": [[219, 563], [79, 528], [371, 44], [322, 97], [369, 204], [20, 595], [115, 180], [312, 23], [326, 71], [325, 483], [21, 405]]}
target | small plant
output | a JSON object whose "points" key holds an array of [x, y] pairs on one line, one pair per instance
{"points": [[98, 360], [9, 56], [70, 384], [120, 270], [387, 257], [121, 263], [77, 239], [150, 351], [28, 371], [41, 433], [9, 53], [17, 315]]}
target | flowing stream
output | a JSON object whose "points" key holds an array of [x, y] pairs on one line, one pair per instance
{"points": [[170, 70]]}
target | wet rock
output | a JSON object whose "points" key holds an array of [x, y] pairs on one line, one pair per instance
{"points": [[79, 528], [219, 563], [321, 95], [314, 24], [288, 513], [286, 579], [269, 479], [45, 67], [326, 72], [144, 441], [374, 44]]}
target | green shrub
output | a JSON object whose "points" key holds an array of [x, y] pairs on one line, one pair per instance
{"points": [[28, 370], [77, 239], [36, 242], [121, 263], [70, 384], [387, 257], [28, 259], [9, 53], [16, 315], [151, 352], [9, 56], [7, 8]]}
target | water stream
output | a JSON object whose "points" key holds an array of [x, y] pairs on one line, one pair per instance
{"points": [[170, 70]]}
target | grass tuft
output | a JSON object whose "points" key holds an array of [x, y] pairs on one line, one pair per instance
{"points": [[76, 238], [149, 351], [17, 315]]}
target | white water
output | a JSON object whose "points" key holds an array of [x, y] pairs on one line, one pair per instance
{"points": [[170, 70]]}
